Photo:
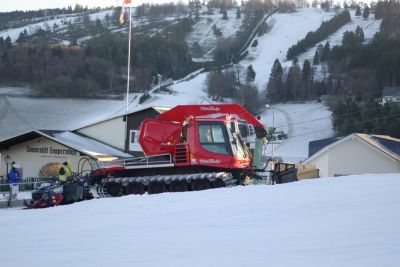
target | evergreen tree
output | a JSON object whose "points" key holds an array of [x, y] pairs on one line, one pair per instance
{"points": [[275, 82], [346, 116], [251, 74], [7, 43], [326, 51], [293, 81], [224, 14], [358, 11], [306, 72], [238, 14], [306, 80], [249, 98], [316, 58], [366, 12], [360, 34], [22, 36]]}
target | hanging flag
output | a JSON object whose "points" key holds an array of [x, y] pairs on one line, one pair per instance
{"points": [[122, 15]]}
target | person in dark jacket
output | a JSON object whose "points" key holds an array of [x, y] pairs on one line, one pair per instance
{"points": [[14, 176]]}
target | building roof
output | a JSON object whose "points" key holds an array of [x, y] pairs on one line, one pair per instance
{"points": [[88, 146], [392, 144], [317, 145], [391, 91], [160, 110], [74, 141], [386, 144]]}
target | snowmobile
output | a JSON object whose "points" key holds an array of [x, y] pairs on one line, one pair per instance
{"points": [[54, 193]]}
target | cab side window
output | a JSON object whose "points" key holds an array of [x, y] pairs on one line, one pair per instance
{"points": [[213, 139]]}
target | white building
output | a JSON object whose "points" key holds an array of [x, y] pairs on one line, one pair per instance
{"points": [[357, 154], [106, 140], [34, 150], [119, 133]]}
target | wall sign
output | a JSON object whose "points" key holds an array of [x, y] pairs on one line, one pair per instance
{"points": [[51, 151]]}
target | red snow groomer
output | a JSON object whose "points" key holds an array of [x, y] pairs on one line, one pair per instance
{"points": [[189, 147]]}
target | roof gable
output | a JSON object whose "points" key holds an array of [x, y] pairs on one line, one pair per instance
{"points": [[159, 110], [365, 139], [317, 145]]}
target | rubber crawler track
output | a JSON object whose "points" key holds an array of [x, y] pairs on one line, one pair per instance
{"points": [[119, 186]]}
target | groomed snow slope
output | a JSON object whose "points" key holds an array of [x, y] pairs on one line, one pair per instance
{"points": [[346, 221], [302, 122], [370, 26], [287, 29]]}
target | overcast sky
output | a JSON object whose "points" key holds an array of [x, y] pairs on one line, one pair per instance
{"points": [[9, 5]]}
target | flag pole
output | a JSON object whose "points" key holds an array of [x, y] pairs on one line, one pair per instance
{"points": [[129, 57]]}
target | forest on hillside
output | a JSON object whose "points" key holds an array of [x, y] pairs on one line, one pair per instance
{"points": [[99, 65], [83, 71], [356, 74], [369, 68]]}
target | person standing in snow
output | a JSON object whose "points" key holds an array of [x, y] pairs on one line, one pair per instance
{"points": [[65, 172], [14, 176]]}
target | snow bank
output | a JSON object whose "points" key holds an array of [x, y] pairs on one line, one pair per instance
{"points": [[346, 221]]}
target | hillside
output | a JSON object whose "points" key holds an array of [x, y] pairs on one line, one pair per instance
{"points": [[342, 221], [287, 29], [20, 114]]}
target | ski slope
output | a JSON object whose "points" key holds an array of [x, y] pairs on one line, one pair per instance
{"points": [[286, 29], [370, 26], [342, 221]]}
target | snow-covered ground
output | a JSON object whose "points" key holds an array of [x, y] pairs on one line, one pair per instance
{"points": [[303, 122], [342, 221]]}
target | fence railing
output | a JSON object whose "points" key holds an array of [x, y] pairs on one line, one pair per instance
{"points": [[26, 184]]}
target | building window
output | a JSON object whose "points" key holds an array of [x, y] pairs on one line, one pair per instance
{"points": [[134, 141]]}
